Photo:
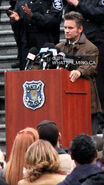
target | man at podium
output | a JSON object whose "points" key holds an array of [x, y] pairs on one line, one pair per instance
{"points": [[85, 59]]}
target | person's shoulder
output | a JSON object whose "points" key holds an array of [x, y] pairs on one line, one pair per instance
{"points": [[23, 182], [50, 179], [57, 177], [60, 44], [90, 44], [90, 48], [97, 178], [67, 164], [53, 176]]}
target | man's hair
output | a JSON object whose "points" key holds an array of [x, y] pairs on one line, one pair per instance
{"points": [[76, 16], [83, 149], [48, 131]]}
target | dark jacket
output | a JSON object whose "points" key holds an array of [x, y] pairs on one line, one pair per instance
{"points": [[97, 179], [2, 182], [44, 26], [85, 49], [12, 3], [79, 173], [93, 13]]}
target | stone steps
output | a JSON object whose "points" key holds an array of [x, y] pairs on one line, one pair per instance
{"points": [[6, 35], [7, 61], [7, 46]]}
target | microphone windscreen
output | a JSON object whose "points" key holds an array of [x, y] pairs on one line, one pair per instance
{"points": [[49, 45], [43, 50], [54, 51], [58, 49], [33, 50], [32, 53], [61, 54]]}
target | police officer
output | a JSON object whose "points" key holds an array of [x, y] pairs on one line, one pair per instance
{"points": [[17, 29], [41, 19], [93, 13]]}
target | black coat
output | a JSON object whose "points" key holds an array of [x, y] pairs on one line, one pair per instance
{"points": [[93, 13], [2, 182], [12, 3], [79, 173], [44, 26]]}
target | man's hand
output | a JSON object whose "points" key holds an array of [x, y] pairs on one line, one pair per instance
{"points": [[73, 2], [14, 15], [74, 75], [27, 10]]}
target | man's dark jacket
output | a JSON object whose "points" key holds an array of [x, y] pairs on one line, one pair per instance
{"points": [[79, 173]]}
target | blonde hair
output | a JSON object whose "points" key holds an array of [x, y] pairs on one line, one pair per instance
{"points": [[14, 168], [41, 157]]}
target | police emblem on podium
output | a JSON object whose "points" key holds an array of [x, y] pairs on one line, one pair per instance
{"points": [[33, 97]]}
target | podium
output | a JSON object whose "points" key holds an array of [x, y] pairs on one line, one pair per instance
{"points": [[66, 103]]}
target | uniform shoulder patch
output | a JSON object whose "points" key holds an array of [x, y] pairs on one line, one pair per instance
{"points": [[57, 4], [101, 3]]}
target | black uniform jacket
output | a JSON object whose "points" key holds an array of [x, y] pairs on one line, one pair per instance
{"points": [[44, 26]]}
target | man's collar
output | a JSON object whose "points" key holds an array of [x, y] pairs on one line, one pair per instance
{"points": [[81, 40], [73, 42]]}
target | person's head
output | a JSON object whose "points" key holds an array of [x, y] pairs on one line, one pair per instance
{"points": [[41, 157], [48, 131], [99, 139], [14, 167], [83, 149], [73, 25]]}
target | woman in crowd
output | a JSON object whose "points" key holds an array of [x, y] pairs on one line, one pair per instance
{"points": [[43, 166], [15, 166]]}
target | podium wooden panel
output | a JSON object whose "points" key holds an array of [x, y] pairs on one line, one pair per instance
{"points": [[66, 103]]}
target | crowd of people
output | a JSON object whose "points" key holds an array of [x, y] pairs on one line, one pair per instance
{"points": [[37, 157]]}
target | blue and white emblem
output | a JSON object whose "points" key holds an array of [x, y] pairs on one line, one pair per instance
{"points": [[33, 97], [57, 4]]}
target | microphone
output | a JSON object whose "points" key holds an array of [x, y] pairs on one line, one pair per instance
{"points": [[31, 56], [60, 59], [49, 58], [46, 59], [63, 60], [49, 52]]}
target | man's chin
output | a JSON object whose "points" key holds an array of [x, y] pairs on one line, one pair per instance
{"points": [[68, 38]]}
